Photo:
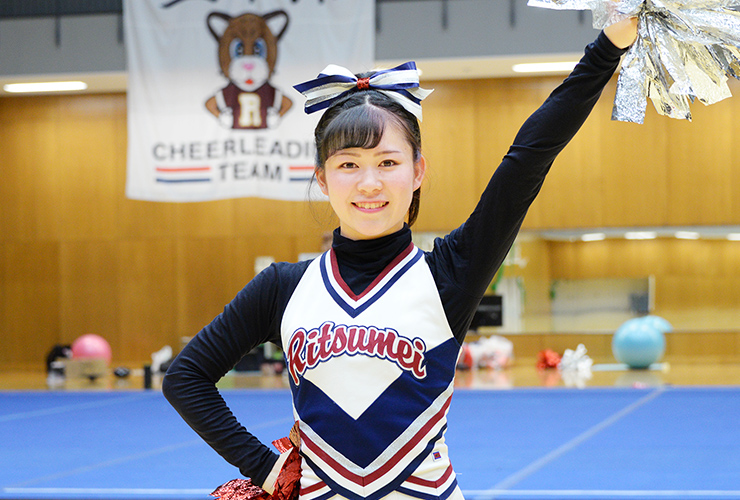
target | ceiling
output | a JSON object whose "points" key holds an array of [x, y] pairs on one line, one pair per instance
{"points": [[405, 29]]}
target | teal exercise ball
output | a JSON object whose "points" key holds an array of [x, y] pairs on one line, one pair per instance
{"points": [[658, 323], [638, 343]]}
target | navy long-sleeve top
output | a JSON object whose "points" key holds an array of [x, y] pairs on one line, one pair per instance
{"points": [[463, 264]]}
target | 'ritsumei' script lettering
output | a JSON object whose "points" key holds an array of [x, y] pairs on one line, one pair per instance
{"points": [[308, 348]]}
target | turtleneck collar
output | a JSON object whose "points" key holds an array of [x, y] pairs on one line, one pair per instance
{"points": [[361, 261]]}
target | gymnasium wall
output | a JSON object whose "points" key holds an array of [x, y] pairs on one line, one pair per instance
{"points": [[76, 256]]}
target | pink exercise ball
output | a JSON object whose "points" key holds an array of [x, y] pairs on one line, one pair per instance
{"points": [[91, 346]]}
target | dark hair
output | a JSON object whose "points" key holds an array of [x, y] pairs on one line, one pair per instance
{"points": [[358, 121]]}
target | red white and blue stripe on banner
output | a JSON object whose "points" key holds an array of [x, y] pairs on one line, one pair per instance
{"points": [[184, 174], [296, 173]]}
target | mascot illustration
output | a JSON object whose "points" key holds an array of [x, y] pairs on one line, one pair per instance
{"points": [[247, 51]]}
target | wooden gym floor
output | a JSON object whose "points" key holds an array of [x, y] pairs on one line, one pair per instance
{"points": [[522, 373]]}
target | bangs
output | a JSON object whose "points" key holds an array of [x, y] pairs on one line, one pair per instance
{"points": [[355, 127]]}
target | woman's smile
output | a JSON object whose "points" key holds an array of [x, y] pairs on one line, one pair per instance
{"points": [[370, 205]]}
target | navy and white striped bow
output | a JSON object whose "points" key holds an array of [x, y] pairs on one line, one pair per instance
{"points": [[400, 84]]}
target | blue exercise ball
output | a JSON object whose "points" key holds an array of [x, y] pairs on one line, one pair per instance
{"points": [[638, 344]]}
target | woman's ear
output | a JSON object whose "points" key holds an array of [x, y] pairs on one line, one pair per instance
{"points": [[420, 168], [321, 179]]}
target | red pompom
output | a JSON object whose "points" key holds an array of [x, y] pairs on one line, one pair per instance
{"points": [[547, 359], [465, 360], [240, 489], [288, 481]]}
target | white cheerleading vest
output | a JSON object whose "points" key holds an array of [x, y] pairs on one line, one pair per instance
{"points": [[372, 376]]}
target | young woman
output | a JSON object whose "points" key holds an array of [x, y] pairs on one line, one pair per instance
{"points": [[372, 329]]}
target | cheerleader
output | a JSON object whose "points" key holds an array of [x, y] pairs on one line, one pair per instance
{"points": [[372, 329]]}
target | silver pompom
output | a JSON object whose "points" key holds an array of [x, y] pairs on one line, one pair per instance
{"points": [[685, 51]]}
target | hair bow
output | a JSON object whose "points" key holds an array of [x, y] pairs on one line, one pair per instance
{"points": [[400, 84]]}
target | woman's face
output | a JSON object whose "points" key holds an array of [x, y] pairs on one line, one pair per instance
{"points": [[370, 190]]}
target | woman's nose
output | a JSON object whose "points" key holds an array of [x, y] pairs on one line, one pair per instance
{"points": [[370, 181]]}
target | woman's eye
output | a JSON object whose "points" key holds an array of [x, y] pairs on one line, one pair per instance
{"points": [[347, 165], [387, 163]]}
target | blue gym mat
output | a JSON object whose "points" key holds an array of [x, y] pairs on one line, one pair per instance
{"points": [[613, 443]]}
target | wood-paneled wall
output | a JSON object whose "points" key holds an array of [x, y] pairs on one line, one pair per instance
{"points": [[697, 282], [76, 256], [664, 172]]}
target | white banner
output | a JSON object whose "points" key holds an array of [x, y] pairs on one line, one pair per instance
{"points": [[212, 113]]}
